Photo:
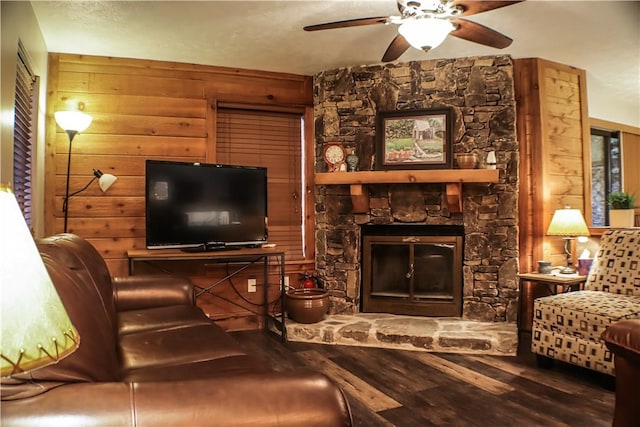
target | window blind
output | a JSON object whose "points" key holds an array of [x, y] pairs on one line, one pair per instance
{"points": [[23, 136], [272, 140]]}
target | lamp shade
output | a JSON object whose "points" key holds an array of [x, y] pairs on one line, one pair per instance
{"points": [[105, 180], [73, 120], [568, 222], [425, 33], [36, 330]]}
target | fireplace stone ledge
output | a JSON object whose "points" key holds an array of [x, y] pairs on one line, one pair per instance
{"points": [[439, 334]]}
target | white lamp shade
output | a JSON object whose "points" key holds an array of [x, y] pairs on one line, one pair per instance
{"points": [[36, 330], [106, 180], [425, 33], [73, 120], [568, 222]]}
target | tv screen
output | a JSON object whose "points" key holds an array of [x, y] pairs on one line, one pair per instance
{"points": [[204, 206]]}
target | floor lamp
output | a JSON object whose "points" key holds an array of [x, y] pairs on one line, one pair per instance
{"points": [[73, 122], [568, 223]]}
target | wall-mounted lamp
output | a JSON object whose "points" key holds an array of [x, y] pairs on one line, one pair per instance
{"points": [[73, 122], [36, 329], [568, 223]]}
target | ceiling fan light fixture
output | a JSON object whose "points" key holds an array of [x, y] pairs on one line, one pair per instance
{"points": [[426, 33]]}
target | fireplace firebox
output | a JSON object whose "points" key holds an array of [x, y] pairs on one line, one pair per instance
{"points": [[412, 269]]}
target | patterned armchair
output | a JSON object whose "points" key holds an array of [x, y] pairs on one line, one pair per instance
{"points": [[568, 326]]}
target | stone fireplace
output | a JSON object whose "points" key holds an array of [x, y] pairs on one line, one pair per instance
{"points": [[480, 93]]}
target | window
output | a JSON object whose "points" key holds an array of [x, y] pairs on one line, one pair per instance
{"points": [[606, 174], [24, 131], [272, 140]]}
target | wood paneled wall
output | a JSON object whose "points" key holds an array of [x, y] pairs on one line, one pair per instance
{"points": [[552, 126], [142, 110], [631, 157]]}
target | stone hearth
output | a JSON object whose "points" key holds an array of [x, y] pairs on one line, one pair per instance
{"points": [[434, 334]]}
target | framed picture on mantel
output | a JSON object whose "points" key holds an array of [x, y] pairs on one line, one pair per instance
{"points": [[414, 139]]}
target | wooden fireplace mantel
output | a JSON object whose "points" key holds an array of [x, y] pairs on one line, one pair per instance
{"points": [[453, 178]]}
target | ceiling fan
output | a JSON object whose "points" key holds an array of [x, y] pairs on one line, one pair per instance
{"points": [[425, 24]]}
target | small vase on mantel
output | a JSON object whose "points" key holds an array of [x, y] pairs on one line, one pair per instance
{"points": [[352, 160], [491, 160], [466, 161]]}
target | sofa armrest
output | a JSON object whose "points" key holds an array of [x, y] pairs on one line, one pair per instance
{"points": [[623, 339], [271, 399], [146, 291]]}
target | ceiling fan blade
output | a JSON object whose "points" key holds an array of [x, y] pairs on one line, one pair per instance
{"points": [[471, 7], [398, 46], [349, 23], [400, 5], [478, 33]]}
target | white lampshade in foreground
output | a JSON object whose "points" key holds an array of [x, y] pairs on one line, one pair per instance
{"points": [[36, 330], [425, 33], [568, 222], [73, 120]]}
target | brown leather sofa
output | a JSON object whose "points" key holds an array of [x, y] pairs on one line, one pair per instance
{"points": [[149, 357], [623, 340]]}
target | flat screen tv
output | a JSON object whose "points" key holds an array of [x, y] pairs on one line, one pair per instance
{"points": [[199, 206]]}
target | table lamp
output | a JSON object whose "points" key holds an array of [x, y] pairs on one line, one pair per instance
{"points": [[568, 223], [36, 329]]}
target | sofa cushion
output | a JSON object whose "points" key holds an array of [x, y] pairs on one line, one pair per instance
{"points": [[160, 318], [176, 347], [584, 314], [616, 268], [214, 368]]}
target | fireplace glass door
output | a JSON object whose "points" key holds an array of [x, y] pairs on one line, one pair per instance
{"points": [[416, 275]]}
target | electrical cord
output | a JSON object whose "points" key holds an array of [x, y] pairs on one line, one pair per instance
{"points": [[236, 304]]}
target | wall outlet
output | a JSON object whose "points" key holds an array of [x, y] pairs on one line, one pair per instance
{"points": [[251, 285], [286, 283]]}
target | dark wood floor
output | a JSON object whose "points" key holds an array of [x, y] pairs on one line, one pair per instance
{"points": [[405, 388]]}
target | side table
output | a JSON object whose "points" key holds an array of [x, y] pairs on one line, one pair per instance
{"points": [[535, 285]]}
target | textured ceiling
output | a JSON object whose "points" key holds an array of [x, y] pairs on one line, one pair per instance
{"points": [[602, 37]]}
